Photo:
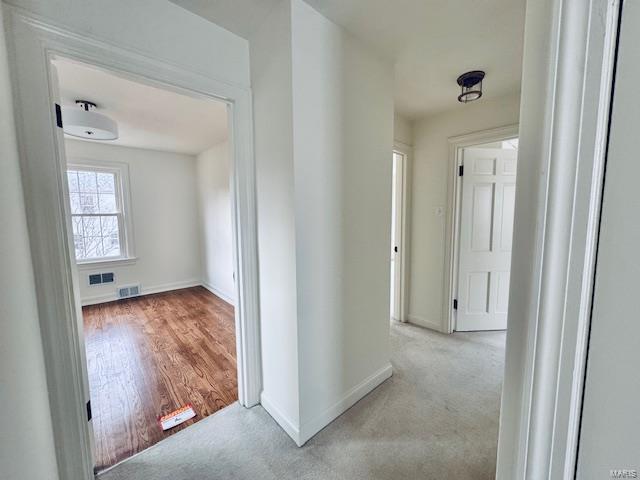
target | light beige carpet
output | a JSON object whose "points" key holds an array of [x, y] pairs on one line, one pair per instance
{"points": [[436, 418]]}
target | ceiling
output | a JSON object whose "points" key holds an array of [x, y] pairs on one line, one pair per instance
{"points": [[147, 116], [431, 42]]}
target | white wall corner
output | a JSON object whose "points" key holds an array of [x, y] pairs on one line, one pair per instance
{"points": [[289, 426], [219, 293], [402, 130], [357, 393], [427, 323]]}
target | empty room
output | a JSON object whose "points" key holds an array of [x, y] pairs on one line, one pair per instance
{"points": [[148, 173]]}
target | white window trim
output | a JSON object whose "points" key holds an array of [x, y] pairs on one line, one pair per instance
{"points": [[127, 244]]}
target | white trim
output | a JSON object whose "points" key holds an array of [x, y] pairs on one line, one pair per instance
{"points": [[33, 43], [568, 71], [354, 395], [165, 287], [301, 435], [452, 229], [105, 263], [424, 322], [281, 419], [218, 293]]}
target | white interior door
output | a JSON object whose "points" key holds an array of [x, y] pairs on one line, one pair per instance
{"points": [[486, 231], [396, 234]]}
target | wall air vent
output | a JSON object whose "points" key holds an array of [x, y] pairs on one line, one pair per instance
{"points": [[98, 278], [129, 291]]}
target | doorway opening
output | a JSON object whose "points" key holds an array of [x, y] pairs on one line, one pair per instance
{"points": [[149, 216], [483, 239]]}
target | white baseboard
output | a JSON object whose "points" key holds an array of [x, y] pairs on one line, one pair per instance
{"points": [[281, 419], [301, 435], [310, 428], [423, 322], [166, 287], [219, 293]]}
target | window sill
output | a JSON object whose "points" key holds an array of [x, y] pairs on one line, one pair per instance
{"points": [[116, 262]]}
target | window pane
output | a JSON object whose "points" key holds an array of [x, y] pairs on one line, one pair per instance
{"points": [[106, 182], [87, 182], [78, 243], [88, 203], [91, 227], [109, 226], [72, 178], [111, 245], [76, 224], [110, 236], [107, 203], [74, 199], [93, 247]]}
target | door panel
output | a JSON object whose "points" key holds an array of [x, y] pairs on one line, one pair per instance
{"points": [[481, 217], [486, 230], [502, 302], [478, 293], [506, 225]]}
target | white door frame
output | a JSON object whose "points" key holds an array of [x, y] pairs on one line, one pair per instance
{"points": [[33, 43], [454, 204], [569, 64], [403, 257]]}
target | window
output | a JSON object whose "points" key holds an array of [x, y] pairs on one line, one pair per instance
{"points": [[97, 213]]}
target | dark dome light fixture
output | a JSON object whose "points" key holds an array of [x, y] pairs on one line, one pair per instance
{"points": [[470, 86]]}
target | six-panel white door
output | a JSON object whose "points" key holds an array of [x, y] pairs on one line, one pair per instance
{"points": [[486, 230]]}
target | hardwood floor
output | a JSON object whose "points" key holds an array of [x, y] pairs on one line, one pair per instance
{"points": [[150, 355]]}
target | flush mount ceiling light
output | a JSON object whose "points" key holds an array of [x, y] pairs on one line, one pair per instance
{"points": [[470, 86], [85, 122]]}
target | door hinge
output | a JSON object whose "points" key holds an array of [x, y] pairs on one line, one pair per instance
{"points": [[89, 416], [58, 116], [455, 303], [460, 170]]}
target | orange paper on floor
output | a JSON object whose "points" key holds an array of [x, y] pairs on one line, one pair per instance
{"points": [[177, 417]]}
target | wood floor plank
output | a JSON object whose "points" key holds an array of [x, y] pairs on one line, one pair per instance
{"points": [[150, 355]]}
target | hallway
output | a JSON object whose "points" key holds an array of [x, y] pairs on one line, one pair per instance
{"points": [[435, 418]]}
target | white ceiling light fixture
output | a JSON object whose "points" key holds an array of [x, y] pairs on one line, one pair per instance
{"points": [[85, 122]]}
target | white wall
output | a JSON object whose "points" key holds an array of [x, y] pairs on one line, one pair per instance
{"points": [[166, 227], [429, 192], [324, 135], [158, 29], [26, 437], [214, 203], [343, 138], [271, 83]]}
